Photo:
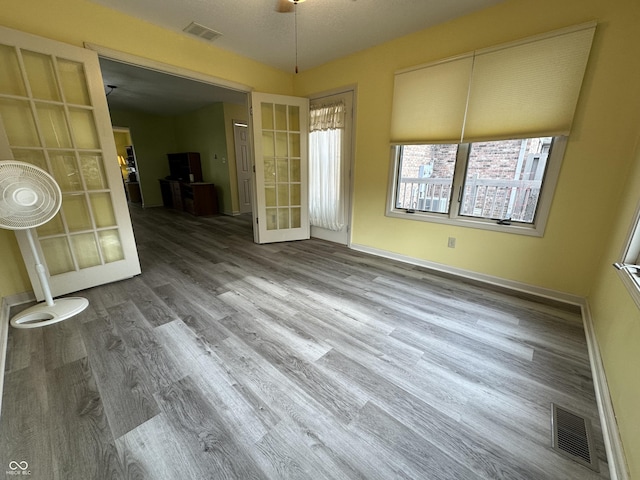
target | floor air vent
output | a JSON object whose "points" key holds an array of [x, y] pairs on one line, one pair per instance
{"points": [[572, 436]]}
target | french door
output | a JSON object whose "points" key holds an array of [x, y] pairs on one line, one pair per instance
{"points": [[280, 141], [54, 114]]}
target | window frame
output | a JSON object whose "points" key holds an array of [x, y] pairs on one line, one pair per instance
{"points": [[453, 217], [629, 256]]}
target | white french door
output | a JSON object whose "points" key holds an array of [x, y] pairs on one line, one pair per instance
{"points": [[54, 114], [280, 140]]}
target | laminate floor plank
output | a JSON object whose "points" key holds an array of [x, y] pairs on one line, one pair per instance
{"points": [[290, 458], [226, 359], [336, 333], [126, 396], [452, 317], [83, 445], [333, 395], [24, 348], [159, 367], [24, 427], [150, 451], [418, 414], [189, 303], [417, 453], [312, 420], [498, 323], [496, 369], [245, 413], [261, 329], [154, 310], [196, 424], [63, 344], [361, 312]]}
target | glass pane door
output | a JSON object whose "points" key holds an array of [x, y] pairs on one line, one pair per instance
{"points": [[280, 128], [53, 119]]}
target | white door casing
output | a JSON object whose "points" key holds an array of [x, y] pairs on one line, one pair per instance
{"points": [[280, 128], [55, 115]]}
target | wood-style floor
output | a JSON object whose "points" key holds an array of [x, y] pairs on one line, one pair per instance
{"points": [[302, 360]]}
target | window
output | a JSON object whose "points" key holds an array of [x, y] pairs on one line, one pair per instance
{"points": [[478, 138], [629, 265], [500, 185], [425, 177]]}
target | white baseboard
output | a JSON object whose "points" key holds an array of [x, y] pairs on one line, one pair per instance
{"points": [[5, 307], [612, 442], [610, 432]]}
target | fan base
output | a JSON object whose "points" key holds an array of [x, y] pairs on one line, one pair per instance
{"points": [[41, 315]]}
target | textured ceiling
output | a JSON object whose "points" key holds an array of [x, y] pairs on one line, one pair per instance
{"points": [[327, 29], [149, 91]]}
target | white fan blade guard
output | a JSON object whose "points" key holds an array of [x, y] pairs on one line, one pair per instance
{"points": [[30, 197]]}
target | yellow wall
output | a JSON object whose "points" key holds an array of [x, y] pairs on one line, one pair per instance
{"points": [[598, 150], [588, 203], [13, 274], [617, 324]]}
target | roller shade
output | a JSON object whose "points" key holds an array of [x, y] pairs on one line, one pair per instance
{"points": [[429, 102], [516, 90]]}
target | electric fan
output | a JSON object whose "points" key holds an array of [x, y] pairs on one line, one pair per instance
{"points": [[30, 197]]}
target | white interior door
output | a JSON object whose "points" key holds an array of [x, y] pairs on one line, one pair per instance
{"points": [[280, 139], [343, 234], [54, 114], [243, 165]]}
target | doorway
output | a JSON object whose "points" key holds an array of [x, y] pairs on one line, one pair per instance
{"points": [[243, 165], [331, 160], [128, 165], [171, 110]]}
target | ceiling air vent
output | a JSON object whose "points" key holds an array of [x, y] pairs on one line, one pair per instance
{"points": [[201, 31], [572, 436]]}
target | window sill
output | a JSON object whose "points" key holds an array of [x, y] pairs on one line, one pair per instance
{"points": [[632, 283], [480, 223]]}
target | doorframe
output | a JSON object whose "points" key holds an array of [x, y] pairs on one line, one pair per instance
{"points": [[166, 68], [353, 89], [127, 131], [120, 56]]}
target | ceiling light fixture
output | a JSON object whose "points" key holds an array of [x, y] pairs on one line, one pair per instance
{"points": [[295, 22], [284, 6]]}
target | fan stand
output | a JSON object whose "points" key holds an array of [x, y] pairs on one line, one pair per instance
{"points": [[50, 311]]}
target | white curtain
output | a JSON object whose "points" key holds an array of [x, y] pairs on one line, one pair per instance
{"points": [[326, 203]]}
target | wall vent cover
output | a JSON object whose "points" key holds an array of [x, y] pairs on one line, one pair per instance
{"points": [[201, 31], [572, 436]]}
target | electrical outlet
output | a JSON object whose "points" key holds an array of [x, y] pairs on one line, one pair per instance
{"points": [[451, 243]]}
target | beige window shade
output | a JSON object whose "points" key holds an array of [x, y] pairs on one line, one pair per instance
{"points": [[529, 89], [522, 89], [429, 102]]}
